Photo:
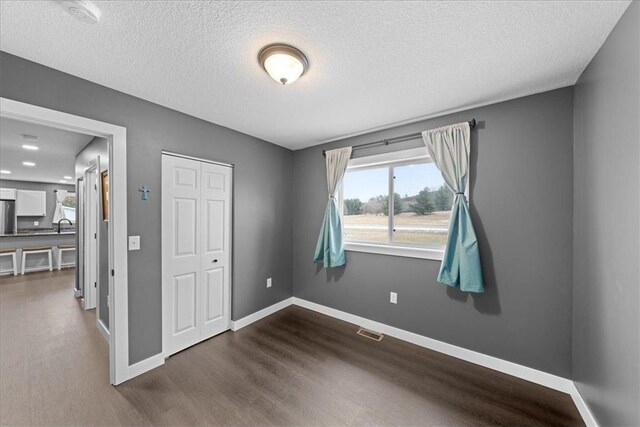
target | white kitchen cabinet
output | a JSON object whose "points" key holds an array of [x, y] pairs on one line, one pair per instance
{"points": [[31, 203], [7, 193]]}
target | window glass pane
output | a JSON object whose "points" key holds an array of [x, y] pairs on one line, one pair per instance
{"points": [[422, 204], [69, 207], [364, 194]]}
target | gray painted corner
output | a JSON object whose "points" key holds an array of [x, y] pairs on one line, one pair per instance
{"points": [[606, 321], [521, 172], [262, 222]]}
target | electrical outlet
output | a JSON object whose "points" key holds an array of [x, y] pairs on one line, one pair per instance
{"points": [[269, 282], [36, 223], [393, 298], [134, 243]]}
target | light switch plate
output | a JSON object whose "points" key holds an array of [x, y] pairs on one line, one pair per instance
{"points": [[393, 298], [134, 243], [269, 282]]}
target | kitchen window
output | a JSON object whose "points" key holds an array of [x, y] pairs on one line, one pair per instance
{"points": [[69, 207], [396, 204]]}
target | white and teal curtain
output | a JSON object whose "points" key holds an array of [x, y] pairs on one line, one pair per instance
{"points": [[58, 214], [330, 247], [449, 147]]}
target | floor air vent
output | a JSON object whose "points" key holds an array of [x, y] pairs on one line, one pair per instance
{"points": [[376, 336]]}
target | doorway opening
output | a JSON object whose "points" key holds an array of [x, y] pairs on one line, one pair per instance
{"points": [[99, 217]]}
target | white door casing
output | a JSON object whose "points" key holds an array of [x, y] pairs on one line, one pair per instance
{"points": [[196, 211], [91, 237]]}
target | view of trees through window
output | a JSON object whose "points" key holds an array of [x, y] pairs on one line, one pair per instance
{"points": [[421, 204], [69, 207]]}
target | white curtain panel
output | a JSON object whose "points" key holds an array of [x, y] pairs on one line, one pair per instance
{"points": [[450, 147], [330, 247], [58, 214]]}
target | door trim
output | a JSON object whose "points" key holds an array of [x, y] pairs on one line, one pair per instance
{"points": [[184, 156], [118, 250], [90, 256], [165, 350]]}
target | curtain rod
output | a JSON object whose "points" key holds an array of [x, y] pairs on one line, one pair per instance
{"points": [[396, 139]]}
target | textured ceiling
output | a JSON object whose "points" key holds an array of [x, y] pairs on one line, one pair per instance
{"points": [[54, 160], [372, 64]]}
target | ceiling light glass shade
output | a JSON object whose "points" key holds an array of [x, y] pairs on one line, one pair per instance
{"points": [[285, 64]]}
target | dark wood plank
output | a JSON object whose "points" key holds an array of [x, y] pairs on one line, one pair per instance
{"points": [[296, 367]]}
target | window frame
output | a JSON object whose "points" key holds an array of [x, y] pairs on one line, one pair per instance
{"points": [[390, 161]]}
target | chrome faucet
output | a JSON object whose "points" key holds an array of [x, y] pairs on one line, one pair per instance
{"points": [[63, 219]]}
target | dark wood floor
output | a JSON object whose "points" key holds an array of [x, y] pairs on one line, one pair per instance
{"points": [[295, 367]]}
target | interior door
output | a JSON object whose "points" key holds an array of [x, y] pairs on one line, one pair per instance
{"points": [[181, 251], [196, 228], [216, 253]]}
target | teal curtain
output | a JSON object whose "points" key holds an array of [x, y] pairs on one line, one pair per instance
{"points": [[449, 148], [330, 247]]}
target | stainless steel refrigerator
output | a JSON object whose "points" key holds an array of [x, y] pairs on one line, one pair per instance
{"points": [[7, 217]]}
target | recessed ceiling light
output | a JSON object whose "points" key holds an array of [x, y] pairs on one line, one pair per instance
{"points": [[30, 138], [284, 63], [30, 147], [68, 177], [83, 10], [5, 172], [30, 164]]}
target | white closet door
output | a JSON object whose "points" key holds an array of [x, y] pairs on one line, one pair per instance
{"points": [[216, 251], [181, 252], [196, 240]]}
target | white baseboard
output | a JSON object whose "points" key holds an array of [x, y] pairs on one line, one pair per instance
{"points": [[247, 320], [103, 329], [583, 408], [548, 380], [146, 365]]}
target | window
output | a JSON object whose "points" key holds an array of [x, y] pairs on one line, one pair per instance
{"points": [[69, 207], [396, 204]]}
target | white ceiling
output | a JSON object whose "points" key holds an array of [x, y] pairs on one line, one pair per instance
{"points": [[54, 159], [372, 64]]}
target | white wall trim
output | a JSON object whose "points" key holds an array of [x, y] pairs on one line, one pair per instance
{"points": [[548, 380], [146, 365], [118, 249], [247, 320], [583, 408], [103, 329], [77, 293]]}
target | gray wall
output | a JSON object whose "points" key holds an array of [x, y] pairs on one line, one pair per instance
{"points": [[44, 221], [521, 202], [606, 228], [262, 176], [97, 147]]}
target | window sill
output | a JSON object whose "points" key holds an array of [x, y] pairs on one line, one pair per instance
{"points": [[404, 251]]}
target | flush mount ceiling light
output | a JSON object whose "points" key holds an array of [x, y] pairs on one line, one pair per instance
{"points": [[284, 63], [30, 147], [5, 172], [30, 164], [83, 10]]}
